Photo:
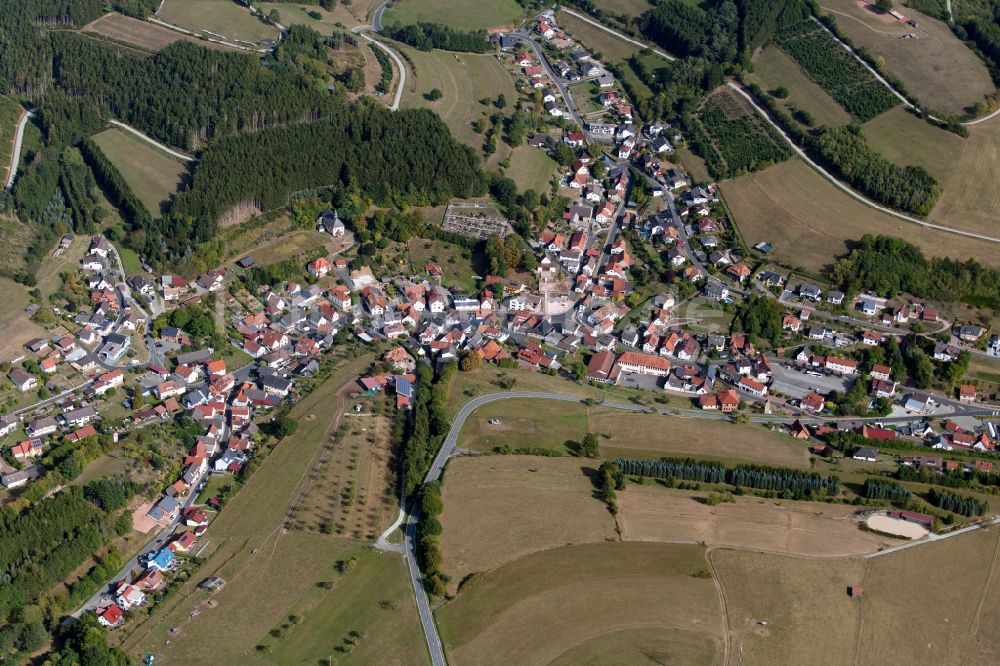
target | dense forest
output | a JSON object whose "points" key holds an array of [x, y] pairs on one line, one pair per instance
{"points": [[185, 94], [891, 266], [427, 36], [846, 151], [405, 157]]}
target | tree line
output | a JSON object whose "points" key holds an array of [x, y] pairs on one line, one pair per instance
{"points": [[429, 426], [794, 483], [908, 188], [426, 36], [966, 506], [885, 490]]}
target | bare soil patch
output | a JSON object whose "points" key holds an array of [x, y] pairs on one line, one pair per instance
{"points": [[654, 513]]}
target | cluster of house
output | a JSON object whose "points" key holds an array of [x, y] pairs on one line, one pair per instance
{"points": [[131, 593], [70, 421]]}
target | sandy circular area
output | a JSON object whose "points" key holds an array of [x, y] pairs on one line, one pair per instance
{"points": [[903, 528]]}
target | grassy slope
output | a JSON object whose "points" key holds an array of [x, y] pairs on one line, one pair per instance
{"points": [[281, 577], [221, 17], [152, 174], [571, 604], [773, 68]]}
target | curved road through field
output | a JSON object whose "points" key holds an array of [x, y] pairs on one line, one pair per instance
{"points": [[399, 63], [450, 446], [871, 204], [154, 142], [15, 156]]}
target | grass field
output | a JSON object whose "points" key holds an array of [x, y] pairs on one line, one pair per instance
{"points": [[152, 174], [463, 79], [936, 67], [455, 261], [459, 14], [694, 165], [610, 47], [773, 67], [905, 139], [273, 572], [272, 241], [220, 17], [945, 619], [559, 426], [500, 508], [10, 113], [531, 168], [575, 605], [809, 221], [143, 34]]}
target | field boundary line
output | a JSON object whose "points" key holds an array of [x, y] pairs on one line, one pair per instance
{"points": [[868, 202], [151, 141], [721, 591], [986, 587], [619, 35]]}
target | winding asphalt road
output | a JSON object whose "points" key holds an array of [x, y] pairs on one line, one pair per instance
{"points": [[450, 446], [522, 36], [15, 157], [399, 63]]}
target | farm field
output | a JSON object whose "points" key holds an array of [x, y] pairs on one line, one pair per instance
{"points": [[734, 138], [559, 426], [810, 615], [905, 139], [272, 571], [936, 66], [10, 113], [836, 71], [458, 14], [153, 175], [463, 79], [143, 34], [500, 508], [809, 221], [531, 168], [221, 17], [971, 199], [773, 67], [543, 609], [610, 47], [811, 529]]}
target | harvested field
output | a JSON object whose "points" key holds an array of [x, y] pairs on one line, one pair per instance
{"points": [[574, 605], [463, 79], [810, 619], [143, 34], [458, 14], [654, 513], [935, 66], [971, 199], [498, 509], [950, 618], [809, 221], [153, 175], [560, 426], [773, 68], [903, 528], [219, 18]]}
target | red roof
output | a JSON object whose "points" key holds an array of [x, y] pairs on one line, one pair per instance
{"points": [[112, 614]]}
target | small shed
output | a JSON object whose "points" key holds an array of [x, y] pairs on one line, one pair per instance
{"points": [[855, 591]]}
